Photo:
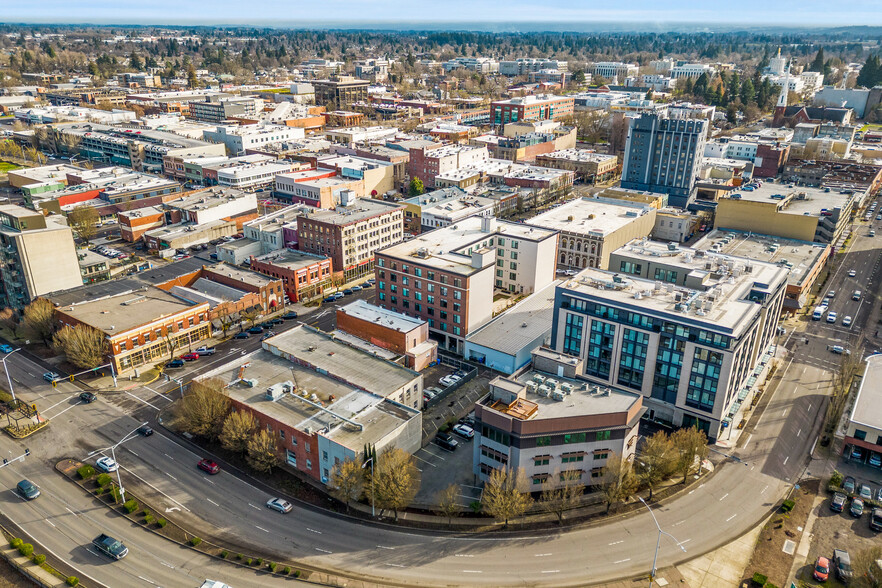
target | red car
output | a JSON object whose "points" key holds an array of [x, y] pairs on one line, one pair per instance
{"points": [[822, 569], [209, 466], [190, 356]]}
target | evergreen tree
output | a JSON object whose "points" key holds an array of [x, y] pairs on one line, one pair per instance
{"points": [[871, 73], [818, 63], [748, 94]]}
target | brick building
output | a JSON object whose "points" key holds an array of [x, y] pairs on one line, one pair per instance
{"points": [[134, 223], [303, 275], [534, 107]]}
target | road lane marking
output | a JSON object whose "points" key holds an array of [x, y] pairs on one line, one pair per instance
{"points": [[463, 555], [71, 512], [313, 531], [550, 572], [149, 581], [50, 522], [393, 565], [252, 506], [784, 413], [749, 437], [622, 560], [543, 554], [766, 487], [171, 476], [684, 541], [323, 550], [732, 517], [168, 456], [139, 399], [45, 410], [472, 572], [785, 459], [132, 452], [724, 496], [168, 565], [262, 529], [155, 488], [384, 547], [67, 409], [679, 523], [798, 432], [617, 542]]}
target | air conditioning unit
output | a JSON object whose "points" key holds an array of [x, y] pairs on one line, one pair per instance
{"points": [[543, 391]]}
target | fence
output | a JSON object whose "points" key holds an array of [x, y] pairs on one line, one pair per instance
{"points": [[467, 377]]}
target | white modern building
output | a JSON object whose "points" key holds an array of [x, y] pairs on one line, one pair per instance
{"points": [[614, 70], [238, 139], [691, 71]]}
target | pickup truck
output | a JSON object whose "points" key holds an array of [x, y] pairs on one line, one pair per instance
{"points": [[206, 351], [112, 547]]}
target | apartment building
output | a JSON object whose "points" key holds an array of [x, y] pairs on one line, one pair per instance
{"points": [[547, 423], [134, 223], [251, 176], [428, 162], [692, 332], [239, 139], [483, 65], [447, 204], [863, 432], [589, 166], [525, 65], [304, 275], [38, 256], [448, 276], [351, 234], [340, 91], [533, 107], [664, 155], [213, 204], [373, 70], [614, 70], [378, 176], [217, 108], [691, 71]]}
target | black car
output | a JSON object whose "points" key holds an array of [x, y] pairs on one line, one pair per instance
{"points": [[876, 519], [175, 363], [838, 502], [445, 441], [88, 397], [276, 321], [256, 330], [347, 292], [27, 489], [145, 431], [330, 299], [242, 336], [289, 316]]}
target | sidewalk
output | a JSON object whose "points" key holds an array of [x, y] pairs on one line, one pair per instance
{"points": [[31, 570], [723, 567]]}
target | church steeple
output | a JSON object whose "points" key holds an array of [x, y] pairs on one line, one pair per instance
{"points": [[782, 98]]}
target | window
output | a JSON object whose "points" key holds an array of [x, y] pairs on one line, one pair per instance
{"points": [[703, 379], [603, 435], [629, 267], [324, 456], [573, 334], [601, 455], [572, 458], [543, 441], [309, 464], [860, 435], [541, 460], [599, 356], [514, 254], [575, 438]]}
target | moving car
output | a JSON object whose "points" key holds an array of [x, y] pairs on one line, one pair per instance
{"points": [[51, 376], [839, 350], [190, 356], [27, 489], [822, 569], [846, 321], [110, 546], [842, 564], [464, 431], [175, 363], [856, 295], [6, 348], [831, 294], [831, 317], [107, 465], [206, 351], [145, 431], [283, 506], [206, 465], [88, 397], [857, 507], [852, 273], [445, 441], [848, 484], [838, 502]]}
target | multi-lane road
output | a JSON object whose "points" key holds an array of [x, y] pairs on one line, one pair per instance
{"points": [[772, 453]]}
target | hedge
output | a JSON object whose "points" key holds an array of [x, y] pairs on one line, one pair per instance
{"points": [[287, 570], [39, 559], [26, 549], [15, 543], [161, 522], [131, 506], [194, 541], [85, 471], [72, 581], [104, 480], [788, 505], [759, 579]]}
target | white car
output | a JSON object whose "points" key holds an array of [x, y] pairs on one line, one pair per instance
{"points": [[831, 317], [449, 380], [846, 321], [851, 273], [464, 431], [106, 464], [283, 506]]}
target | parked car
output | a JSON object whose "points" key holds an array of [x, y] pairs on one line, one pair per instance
{"points": [[857, 507], [27, 489], [175, 363], [283, 506], [840, 350], [449, 380], [857, 453], [428, 395], [347, 291], [289, 316], [51, 376], [445, 441], [206, 351], [464, 431], [876, 519], [865, 491], [276, 321], [838, 502], [242, 335], [6, 348], [190, 356], [106, 464], [206, 465], [848, 485], [145, 431], [267, 335], [822, 569], [370, 281], [876, 461], [842, 564], [256, 330], [831, 293], [338, 295], [88, 397], [330, 299], [356, 288], [434, 390]]}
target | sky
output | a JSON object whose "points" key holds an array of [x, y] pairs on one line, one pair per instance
{"points": [[524, 14]]}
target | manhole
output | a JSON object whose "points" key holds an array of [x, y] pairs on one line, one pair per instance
{"points": [[789, 547]]}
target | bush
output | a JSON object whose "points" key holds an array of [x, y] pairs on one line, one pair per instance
{"points": [[148, 519], [287, 570], [104, 480], [85, 471], [476, 506], [239, 556], [161, 522], [259, 561], [787, 505], [15, 543], [26, 549], [114, 491], [759, 579], [770, 585], [72, 581], [131, 506], [272, 566], [224, 554], [39, 559], [247, 561], [836, 478], [145, 513], [194, 541], [296, 573]]}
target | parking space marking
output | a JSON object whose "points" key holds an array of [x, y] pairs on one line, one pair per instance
{"points": [[425, 460], [617, 542], [723, 497], [546, 554], [732, 517]]}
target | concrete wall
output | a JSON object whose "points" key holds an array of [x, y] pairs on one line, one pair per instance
{"points": [[764, 218], [49, 260]]}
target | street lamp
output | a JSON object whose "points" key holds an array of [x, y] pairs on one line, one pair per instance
{"points": [[112, 448], [364, 465], [6, 369], [658, 541]]}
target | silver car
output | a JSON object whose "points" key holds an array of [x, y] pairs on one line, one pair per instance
{"points": [[283, 506]]}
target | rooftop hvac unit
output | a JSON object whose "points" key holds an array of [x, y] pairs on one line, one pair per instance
{"points": [[558, 395], [543, 391], [539, 378], [552, 384], [566, 388], [274, 392], [531, 387], [250, 382]]}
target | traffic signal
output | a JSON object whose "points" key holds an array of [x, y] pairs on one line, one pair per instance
{"points": [[27, 451], [5, 461], [54, 384], [71, 377]]}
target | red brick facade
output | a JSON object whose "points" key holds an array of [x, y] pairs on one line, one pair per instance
{"points": [[302, 283]]}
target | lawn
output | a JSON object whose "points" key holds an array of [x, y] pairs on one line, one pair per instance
{"points": [[5, 166], [870, 127]]}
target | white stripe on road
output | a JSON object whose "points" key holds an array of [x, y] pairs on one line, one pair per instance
{"points": [[65, 410], [724, 496], [252, 506], [732, 517], [153, 406], [313, 531], [212, 501], [323, 550], [262, 529], [622, 560]]}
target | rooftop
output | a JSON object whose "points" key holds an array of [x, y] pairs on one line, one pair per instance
{"points": [[531, 99], [590, 215], [290, 259], [344, 215], [381, 316], [867, 406], [581, 155], [798, 200], [520, 325], [209, 198], [170, 232]]}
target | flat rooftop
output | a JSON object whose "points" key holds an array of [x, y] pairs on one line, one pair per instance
{"points": [[867, 408], [242, 275], [797, 256], [791, 200], [439, 196], [590, 215], [205, 199], [579, 155], [344, 215], [381, 316], [289, 258], [520, 325], [353, 162], [312, 347], [119, 313], [170, 232]]}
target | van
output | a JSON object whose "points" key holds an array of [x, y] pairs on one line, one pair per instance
{"points": [[818, 314], [856, 295]]}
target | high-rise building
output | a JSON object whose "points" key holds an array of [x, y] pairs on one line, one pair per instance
{"points": [[340, 91], [664, 155]]}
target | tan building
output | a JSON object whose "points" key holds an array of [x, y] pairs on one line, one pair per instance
{"points": [[589, 166], [378, 176], [591, 228]]}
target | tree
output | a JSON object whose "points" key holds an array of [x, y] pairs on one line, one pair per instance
{"points": [[251, 315], [262, 451], [416, 187], [866, 569], [192, 80], [732, 113], [84, 221], [506, 495], [690, 444], [578, 77], [748, 92], [82, 345], [225, 317], [657, 460], [396, 480], [618, 482], [10, 320], [817, 63], [561, 493], [237, 430], [39, 318], [871, 73], [205, 407], [347, 481], [171, 343], [448, 502], [135, 62]]}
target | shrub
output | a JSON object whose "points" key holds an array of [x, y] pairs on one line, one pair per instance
{"points": [[770, 585], [272, 566], [475, 505], [145, 513], [787, 505], [259, 561], [15, 543], [224, 554], [103, 480], [148, 519], [836, 478], [72, 581], [247, 561], [114, 491], [194, 541], [131, 506], [161, 522], [287, 570], [296, 573], [85, 471], [39, 559], [26, 549], [759, 579], [239, 556]]}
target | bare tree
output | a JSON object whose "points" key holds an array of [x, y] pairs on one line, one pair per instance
{"points": [[251, 315], [39, 318], [448, 502], [84, 221], [262, 454], [562, 492], [205, 407], [506, 495], [171, 343], [690, 445], [866, 568], [82, 345], [657, 460], [10, 320], [618, 482], [347, 481], [237, 430], [396, 480]]}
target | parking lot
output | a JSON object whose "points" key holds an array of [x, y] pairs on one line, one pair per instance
{"points": [[440, 468]]}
